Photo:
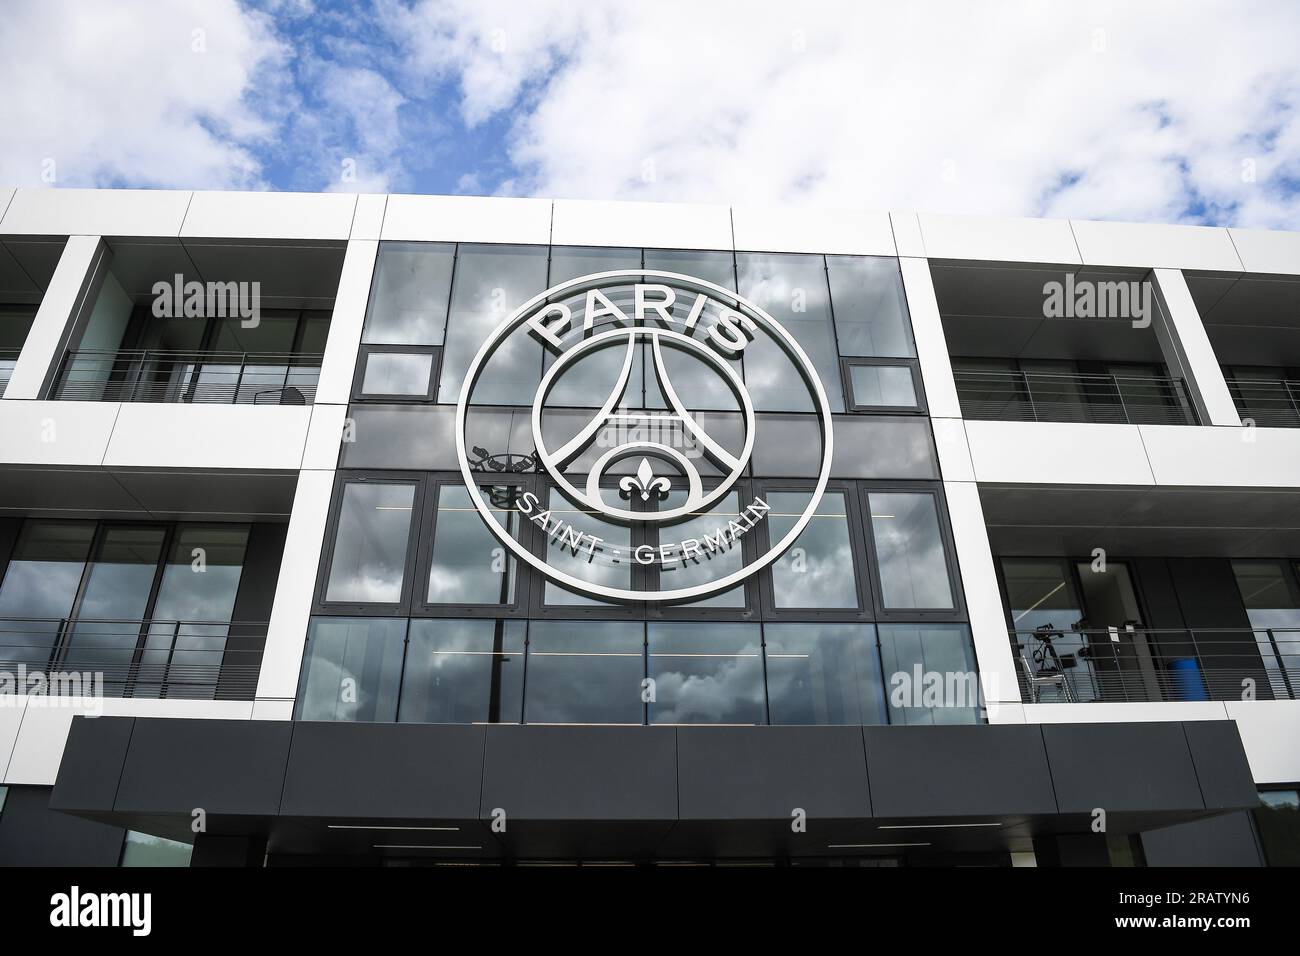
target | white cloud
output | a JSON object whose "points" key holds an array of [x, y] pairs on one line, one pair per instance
{"points": [[133, 92], [1131, 111]]}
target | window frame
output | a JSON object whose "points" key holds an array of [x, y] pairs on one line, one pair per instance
{"points": [[865, 612], [886, 615], [359, 374], [854, 407], [342, 479]]}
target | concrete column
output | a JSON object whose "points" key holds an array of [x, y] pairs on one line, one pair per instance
{"points": [[71, 286], [931, 346], [1187, 349], [340, 361]]}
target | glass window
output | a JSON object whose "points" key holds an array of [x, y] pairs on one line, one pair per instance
{"points": [[711, 266], [369, 560], [792, 289], [491, 282], [352, 670], [707, 565], [818, 570], [41, 584], [1272, 602], [866, 446], [585, 672], [1041, 593], [196, 599], [824, 674], [882, 386], [114, 600], [143, 849], [870, 308], [706, 673], [397, 373], [609, 564], [468, 564], [463, 672], [408, 301], [909, 550], [930, 673], [1278, 823]]}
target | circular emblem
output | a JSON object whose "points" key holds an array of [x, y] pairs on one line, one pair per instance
{"points": [[642, 459]]}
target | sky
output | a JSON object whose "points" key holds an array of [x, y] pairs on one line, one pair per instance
{"points": [[1144, 111]]}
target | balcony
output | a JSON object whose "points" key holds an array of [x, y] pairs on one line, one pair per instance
{"points": [[8, 359], [1126, 664], [122, 658], [223, 378], [1268, 402], [1109, 397]]}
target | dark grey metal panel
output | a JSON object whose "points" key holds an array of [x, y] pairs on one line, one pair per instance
{"points": [[92, 763], [1221, 764], [1227, 840], [31, 834], [580, 773], [977, 770], [222, 766], [397, 771], [1122, 767], [763, 773]]}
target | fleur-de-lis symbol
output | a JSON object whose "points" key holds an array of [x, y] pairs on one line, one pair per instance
{"points": [[645, 482]]}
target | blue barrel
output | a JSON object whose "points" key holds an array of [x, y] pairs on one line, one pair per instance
{"points": [[1187, 683]]}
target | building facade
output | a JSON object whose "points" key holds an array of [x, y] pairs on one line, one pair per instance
{"points": [[404, 530]]}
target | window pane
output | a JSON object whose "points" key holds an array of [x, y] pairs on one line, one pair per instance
{"points": [[909, 549], [143, 849], [192, 614], [1272, 603], [707, 565], [882, 385], [585, 672], [824, 674], [817, 571], [870, 309], [930, 673], [469, 565], [792, 289], [706, 673], [463, 672], [711, 266], [114, 601], [352, 670], [397, 373], [491, 282], [369, 560], [41, 583], [1041, 594], [594, 565], [408, 302]]}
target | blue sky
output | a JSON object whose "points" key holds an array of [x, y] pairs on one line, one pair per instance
{"points": [[1159, 111]]}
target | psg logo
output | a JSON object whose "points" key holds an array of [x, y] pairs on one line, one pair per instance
{"points": [[641, 368]]}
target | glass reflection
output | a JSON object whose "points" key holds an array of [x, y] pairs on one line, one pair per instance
{"points": [[792, 289], [870, 308], [468, 564], [369, 561], [397, 373], [408, 302], [609, 564], [882, 386], [930, 673], [708, 565], [40, 584], [585, 672], [824, 674], [818, 570], [491, 282], [706, 673], [463, 672], [352, 670], [909, 550]]}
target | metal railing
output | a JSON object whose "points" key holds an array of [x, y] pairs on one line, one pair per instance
{"points": [[8, 358], [1134, 663], [222, 378], [1269, 404], [1053, 397], [120, 658]]}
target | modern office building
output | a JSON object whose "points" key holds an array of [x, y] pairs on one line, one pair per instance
{"points": [[405, 530]]}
